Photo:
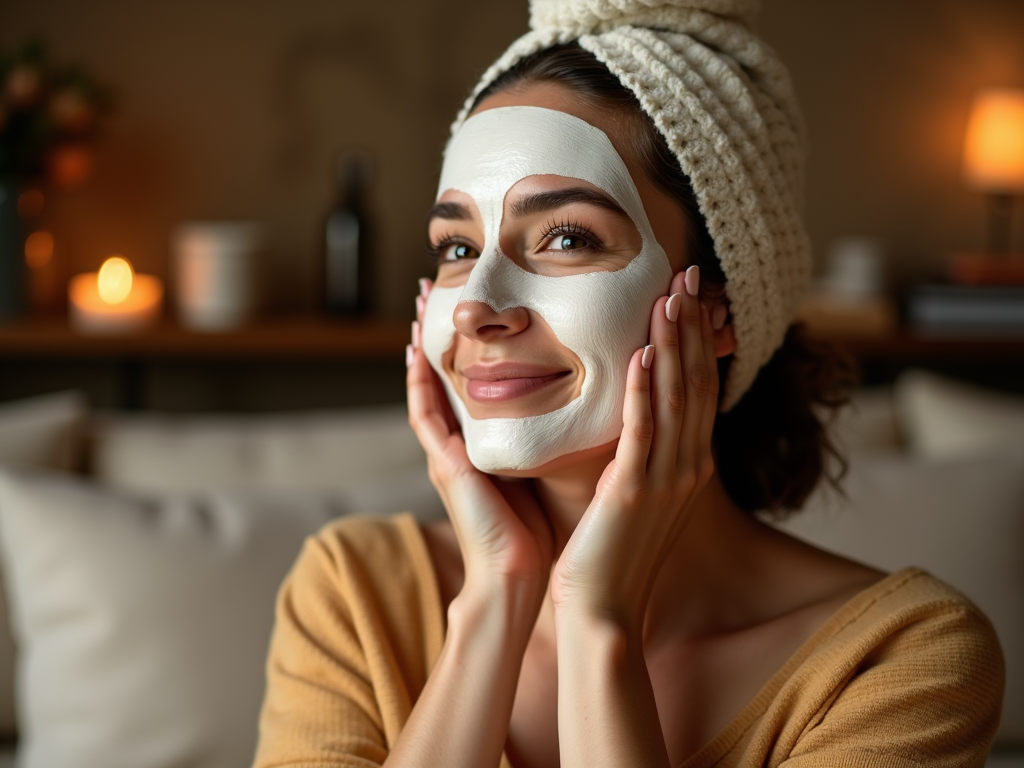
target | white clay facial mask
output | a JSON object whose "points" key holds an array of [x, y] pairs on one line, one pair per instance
{"points": [[603, 317]]}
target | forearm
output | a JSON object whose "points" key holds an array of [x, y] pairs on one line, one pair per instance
{"points": [[607, 715], [462, 716]]}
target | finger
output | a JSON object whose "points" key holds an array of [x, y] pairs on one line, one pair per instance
{"points": [[668, 395], [429, 411], [707, 425], [426, 284], [637, 419], [696, 365]]}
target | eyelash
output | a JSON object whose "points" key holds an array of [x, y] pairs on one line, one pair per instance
{"points": [[553, 229], [434, 250], [574, 228]]}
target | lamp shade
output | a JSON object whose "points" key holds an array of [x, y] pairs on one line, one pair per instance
{"points": [[994, 145]]}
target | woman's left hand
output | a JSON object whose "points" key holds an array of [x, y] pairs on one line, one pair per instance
{"points": [[662, 462]]}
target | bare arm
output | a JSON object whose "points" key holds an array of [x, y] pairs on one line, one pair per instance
{"points": [[462, 716], [607, 714]]}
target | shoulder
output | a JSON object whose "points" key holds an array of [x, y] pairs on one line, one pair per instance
{"points": [[362, 557], [912, 606], [920, 667]]}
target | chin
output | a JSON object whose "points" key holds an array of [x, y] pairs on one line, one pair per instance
{"points": [[584, 459]]}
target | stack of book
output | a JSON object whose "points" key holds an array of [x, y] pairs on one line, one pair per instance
{"points": [[985, 297]]}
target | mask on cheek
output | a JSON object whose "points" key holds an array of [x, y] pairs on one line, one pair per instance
{"points": [[601, 316]]}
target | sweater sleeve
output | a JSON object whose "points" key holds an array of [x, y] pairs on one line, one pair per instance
{"points": [[929, 694], [351, 649]]}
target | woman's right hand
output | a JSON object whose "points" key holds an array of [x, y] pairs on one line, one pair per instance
{"points": [[503, 534]]}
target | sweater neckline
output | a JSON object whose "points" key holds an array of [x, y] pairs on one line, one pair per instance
{"points": [[748, 716], [735, 729]]}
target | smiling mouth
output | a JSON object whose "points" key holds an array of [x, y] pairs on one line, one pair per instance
{"points": [[489, 384]]}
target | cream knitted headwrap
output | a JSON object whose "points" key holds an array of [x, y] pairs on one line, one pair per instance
{"points": [[725, 105]]}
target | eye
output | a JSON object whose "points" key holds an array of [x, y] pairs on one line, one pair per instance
{"points": [[456, 251], [567, 243], [449, 249], [569, 235]]}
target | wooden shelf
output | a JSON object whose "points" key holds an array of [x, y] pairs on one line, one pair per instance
{"points": [[292, 338], [385, 339], [907, 347]]}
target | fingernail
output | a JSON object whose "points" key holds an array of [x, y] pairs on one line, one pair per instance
{"points": [[718, 316], [648, 356], [692, 280], [408, 355], [421, 305], [417, 335], [672, 307], [424, 286]]}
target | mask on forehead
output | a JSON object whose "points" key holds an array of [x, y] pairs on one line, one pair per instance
{"points": [[601, 316]]}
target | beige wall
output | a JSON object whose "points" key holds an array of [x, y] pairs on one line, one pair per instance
{"points": [[233, 108]]}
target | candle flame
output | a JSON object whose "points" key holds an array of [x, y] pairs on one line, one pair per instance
{"points": [[114, 281]]}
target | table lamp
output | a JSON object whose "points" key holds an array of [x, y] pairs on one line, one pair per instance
{"points": [[994, 158]]}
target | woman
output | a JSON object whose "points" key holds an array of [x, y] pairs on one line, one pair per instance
{"points": [[616, 226]]}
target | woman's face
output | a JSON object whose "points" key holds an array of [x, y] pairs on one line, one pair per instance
{"points": [[517, 349]]}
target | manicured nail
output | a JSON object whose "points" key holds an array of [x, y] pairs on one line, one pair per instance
{"points": [[648, 356], [424, 286], [421, 305], [417, 335], [692, 280], [718, 316], [672, 307], [408, 355]]}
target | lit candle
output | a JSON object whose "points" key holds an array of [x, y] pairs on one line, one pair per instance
{"points": [[114, 300]]}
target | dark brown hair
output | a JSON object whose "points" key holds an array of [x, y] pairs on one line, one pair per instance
{"points": [[773, 447]]}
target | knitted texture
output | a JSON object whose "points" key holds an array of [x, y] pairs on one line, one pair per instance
{"points": [[725, 105], [907, 673]]}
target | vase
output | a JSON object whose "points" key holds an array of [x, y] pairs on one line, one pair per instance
{"points": [[12, 246]]}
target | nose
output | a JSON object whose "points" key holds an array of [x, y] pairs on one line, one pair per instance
{"points": [[476, 320]]}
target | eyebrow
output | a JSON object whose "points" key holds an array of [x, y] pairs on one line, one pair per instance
{"points": [[538, 203], [547, 201], [450, 211]]}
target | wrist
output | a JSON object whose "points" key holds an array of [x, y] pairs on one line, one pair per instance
{"points": [[505, 607], [609, 622]]}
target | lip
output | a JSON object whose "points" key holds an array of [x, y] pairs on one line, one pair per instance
{"points": [[507, 381]]}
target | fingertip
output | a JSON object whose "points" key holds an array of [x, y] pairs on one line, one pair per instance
{"points": [[647, 357], [672, 307], [692, 280], [410, 355]]}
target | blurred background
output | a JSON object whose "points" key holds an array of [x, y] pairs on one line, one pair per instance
{"points": [[212, 214], [239, 111]]}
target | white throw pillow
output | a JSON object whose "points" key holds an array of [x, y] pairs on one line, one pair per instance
{"points": [[867, 423], [44, 432], [143, 623], [945, 418], [960, 519], [312, 451]]}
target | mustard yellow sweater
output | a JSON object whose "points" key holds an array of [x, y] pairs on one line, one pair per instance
{"points": [[908, 673]]}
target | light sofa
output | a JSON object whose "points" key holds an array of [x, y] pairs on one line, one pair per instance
{"points": [[141, 553]]}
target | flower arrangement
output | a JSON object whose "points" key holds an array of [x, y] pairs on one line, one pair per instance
{"points": [[49, 117]]}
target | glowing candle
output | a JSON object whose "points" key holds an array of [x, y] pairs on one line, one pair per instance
{"points": [[114, 300]]}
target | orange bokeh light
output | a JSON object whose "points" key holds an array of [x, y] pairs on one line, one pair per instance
{"points": [[38, 249], [994, 145]]}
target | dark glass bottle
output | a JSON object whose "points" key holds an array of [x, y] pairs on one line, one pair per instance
{"points": [[346, 287]]}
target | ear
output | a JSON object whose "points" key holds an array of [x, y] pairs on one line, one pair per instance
{"points": [[725, 334], [725, 340]]}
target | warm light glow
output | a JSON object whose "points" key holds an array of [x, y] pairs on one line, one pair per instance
{"points": [[994, 146], [30, 203], [38, 249], [114, 281]]}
